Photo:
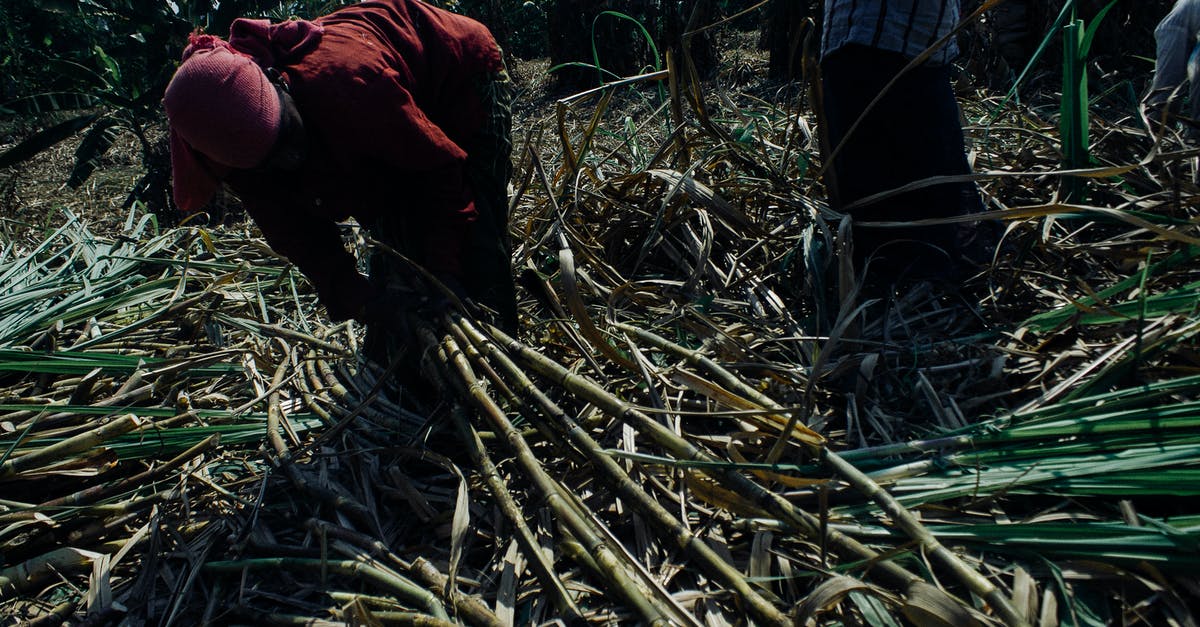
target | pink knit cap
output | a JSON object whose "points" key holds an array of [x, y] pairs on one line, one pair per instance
{"points": [[221, 106]]}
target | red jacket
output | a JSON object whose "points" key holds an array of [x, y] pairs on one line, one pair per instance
{"points": [[389, 96]]}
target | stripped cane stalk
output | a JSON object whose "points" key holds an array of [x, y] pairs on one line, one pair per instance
{"points": [[779, 507], [91, 533], [724, 378], [312, 393], [468, 606], [404, 589], [96, 493], [274, 330], [70, 446], [330, 380], [904, 519], [284, 457], [695, 548], [609, 562], [34, 572], [537, 560], [56, 617], [388, 617], [540, 425], [123, 398]]}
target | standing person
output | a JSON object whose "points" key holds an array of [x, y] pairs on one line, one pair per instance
{"points": [[912, 133], [393, 112], [1177, 59]]}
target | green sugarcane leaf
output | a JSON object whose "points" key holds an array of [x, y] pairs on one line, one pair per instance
{"points": [[95, 145], [44, 140], [1085, 45]]}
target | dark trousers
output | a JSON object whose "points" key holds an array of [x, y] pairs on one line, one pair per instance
{"points": [[911, 134], [488, 259], [486, 256]]}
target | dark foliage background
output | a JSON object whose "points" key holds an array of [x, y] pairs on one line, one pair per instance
{"points": [[99, 67]]}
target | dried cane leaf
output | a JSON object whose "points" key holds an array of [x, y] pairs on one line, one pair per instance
{"points": [[927, 605], [827, 595]]}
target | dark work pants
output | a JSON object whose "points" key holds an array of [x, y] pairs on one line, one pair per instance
{"points": [[487, 261], [911, 134], [486, 255]]}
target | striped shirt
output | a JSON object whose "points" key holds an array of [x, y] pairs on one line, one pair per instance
{"points": [[904, 26]]}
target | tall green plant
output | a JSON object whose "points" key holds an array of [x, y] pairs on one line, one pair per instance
{"points": [[1073, 118], [1073, 121]]}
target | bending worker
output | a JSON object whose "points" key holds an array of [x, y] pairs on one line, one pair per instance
{"points": [[912, 133], [393, 112]]}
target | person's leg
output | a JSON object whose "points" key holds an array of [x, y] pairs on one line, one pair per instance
{"points": [[913, 133], [1193, 77], [1174, 42], [488, 258], [385, 343]]}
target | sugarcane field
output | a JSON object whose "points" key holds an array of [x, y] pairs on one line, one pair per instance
{"points": [[769, 348]]}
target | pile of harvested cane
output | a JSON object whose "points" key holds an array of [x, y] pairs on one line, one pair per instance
{"points": [[703, 419]]}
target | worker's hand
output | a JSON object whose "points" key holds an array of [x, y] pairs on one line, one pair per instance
{"points": [[387, 309], [440, 300], [391, 308]]}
